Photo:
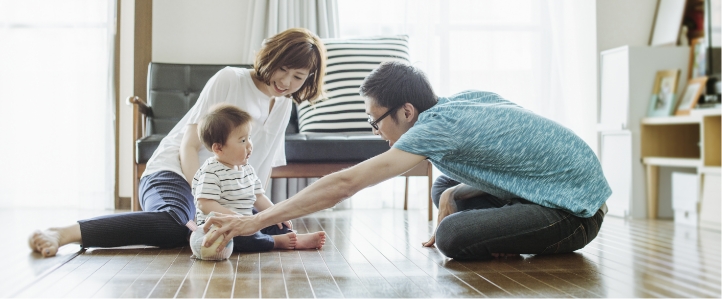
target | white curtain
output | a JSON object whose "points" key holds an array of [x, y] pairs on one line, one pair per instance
{"points": [[57, 113], [267, 18], [539, 54]]}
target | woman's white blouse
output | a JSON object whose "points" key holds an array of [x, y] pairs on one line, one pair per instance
{"points": [[233, 86]]}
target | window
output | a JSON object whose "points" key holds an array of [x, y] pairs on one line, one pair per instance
{"points": [[540, 54], [56, 117]]}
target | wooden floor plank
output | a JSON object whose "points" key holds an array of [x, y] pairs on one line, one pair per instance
{"points": [[221, 280], [67, 284], [144, 284], [273, 284], [196, 281], [247, 275], [102, 278], [171, 281], [294, 273]]}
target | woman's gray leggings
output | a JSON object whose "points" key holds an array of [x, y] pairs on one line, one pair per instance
{"points": [[487, 224]]}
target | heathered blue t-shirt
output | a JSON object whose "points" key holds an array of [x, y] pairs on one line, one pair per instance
{"points": [[487, 142]]}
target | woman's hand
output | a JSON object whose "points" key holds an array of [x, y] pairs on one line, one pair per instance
{"points": [[229, 226], [447, 206]]}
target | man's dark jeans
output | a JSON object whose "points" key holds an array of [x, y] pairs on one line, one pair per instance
{"points": [[487, 224]]}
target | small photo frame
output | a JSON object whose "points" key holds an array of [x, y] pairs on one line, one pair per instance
{"points": [[697, 58], [662, 101], [695, 88]]}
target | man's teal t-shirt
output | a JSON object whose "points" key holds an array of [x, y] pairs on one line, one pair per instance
{"points": [[487, 142]]}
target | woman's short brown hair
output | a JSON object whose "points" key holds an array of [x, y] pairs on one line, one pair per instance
{"points": [[217, 125], [295, 48]]}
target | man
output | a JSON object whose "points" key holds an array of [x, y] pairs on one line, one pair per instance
{"points": [[514, 182]]}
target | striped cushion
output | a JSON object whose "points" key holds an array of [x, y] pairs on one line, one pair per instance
{"points": [[349, 62]]}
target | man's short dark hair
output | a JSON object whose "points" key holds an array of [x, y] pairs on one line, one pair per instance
{"points": [[394, 83], [217, 125]]}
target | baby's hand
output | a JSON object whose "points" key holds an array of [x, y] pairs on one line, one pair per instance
{"points": [[287, 223]]}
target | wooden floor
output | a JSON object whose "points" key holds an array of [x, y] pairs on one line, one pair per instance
{"points": [[378, 253]]}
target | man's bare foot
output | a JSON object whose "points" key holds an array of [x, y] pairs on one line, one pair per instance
{"points": [[311, 241], [45, 242], [287, 241]]}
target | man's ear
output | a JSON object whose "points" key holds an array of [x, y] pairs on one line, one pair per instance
{"points": [[217, 148], [409, 111]]}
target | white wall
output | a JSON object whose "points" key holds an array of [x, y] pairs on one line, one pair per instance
{"points": [[125, 117], [187, 31], [624, 22], [184, 31]]}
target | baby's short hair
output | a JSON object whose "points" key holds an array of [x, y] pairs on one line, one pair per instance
{"points": [[217, 125]]}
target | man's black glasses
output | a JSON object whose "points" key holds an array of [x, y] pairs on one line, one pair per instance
{"points": [[375, 123]]}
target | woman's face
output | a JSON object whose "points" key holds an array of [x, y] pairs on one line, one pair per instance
{"points": [[286, 81]]}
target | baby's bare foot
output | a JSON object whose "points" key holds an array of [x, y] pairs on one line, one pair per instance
{"points": [[45, 242], [287, 241], [311, 241]]}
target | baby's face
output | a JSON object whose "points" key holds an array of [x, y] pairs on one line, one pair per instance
{"points": [[238, 147]]}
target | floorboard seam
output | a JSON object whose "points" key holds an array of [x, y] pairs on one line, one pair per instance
{"points": [[47, 272]]}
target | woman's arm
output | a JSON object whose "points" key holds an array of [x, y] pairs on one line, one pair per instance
{"points": [[189, 148], [209, 205]]}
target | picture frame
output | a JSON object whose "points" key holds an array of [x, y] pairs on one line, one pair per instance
{"points": [[667, 23], [662, 101], [697, 58], [695, 87]]}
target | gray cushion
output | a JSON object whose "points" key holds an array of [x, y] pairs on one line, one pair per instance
{"points": [[145, 147], [333, 147]]}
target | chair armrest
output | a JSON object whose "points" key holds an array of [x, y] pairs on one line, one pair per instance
{"points": [[142, 106]]}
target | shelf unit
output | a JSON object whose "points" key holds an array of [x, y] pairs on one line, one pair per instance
{"points": [[627, 79], [691, 141]]}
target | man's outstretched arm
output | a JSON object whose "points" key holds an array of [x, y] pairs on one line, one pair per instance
{"points": [[323, 194]]}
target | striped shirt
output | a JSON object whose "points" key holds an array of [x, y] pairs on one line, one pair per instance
{"points": [[233, 189]]}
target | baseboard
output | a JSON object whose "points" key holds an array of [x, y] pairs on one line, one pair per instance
{"points": [[122, 203]]}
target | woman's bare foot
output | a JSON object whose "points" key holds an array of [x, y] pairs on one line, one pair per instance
{"points": [[48, 241], [311, 241], [287, 241]]}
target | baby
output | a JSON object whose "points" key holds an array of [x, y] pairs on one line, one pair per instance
{"points": [[227, 184]]}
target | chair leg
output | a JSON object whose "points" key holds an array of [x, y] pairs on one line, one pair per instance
{"points": [[431, 204], [134, 201], [406, 194]]}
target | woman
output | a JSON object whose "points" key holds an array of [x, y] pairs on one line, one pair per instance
{"points": [[289, 66]]}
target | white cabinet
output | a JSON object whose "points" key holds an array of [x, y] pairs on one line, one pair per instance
{"points": [[627, 78]]}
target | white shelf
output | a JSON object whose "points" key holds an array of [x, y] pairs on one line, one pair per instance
{"points": [[695, 117], [673, 162], [705, 112], [710, 169], [671, 120]]}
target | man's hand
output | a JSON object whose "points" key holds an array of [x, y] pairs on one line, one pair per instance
{"points": [[229, 226], [447, 206]]}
